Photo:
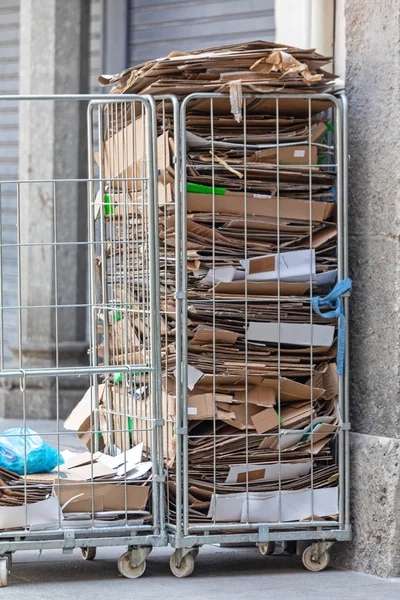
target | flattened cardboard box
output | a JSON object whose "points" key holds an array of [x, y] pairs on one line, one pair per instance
{"points": [[265, 420], [288, 155], [259, 395], [233, 203], [110, 495], [298, 334], [206, 406], [81, 419], [125, 156]]}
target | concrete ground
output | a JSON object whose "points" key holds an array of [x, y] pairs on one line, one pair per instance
{"points": [[220, 573]]}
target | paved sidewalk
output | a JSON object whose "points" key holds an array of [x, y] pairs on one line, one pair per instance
{"points": [[220, 574]]}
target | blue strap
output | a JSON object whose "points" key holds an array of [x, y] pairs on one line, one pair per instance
{"points": [[334, 301]]}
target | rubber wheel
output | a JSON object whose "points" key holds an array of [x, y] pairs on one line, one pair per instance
{"points": [[127, 570], [89, 553], [194, 552], [267, 549], [3, 572], [186, 567], [311, 563]]}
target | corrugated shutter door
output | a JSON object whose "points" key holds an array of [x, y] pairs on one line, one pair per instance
{"points": [[156, 27], [9, 84], [95, 66]]}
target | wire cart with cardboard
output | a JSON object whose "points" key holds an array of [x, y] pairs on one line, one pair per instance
{"points": [[103, 486], [254, 286]]}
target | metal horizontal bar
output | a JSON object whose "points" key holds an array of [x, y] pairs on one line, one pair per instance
{"points": [[98, 98], [120, 539], [76, 180], [97, 306], [108, 243], [265, 299], [259, 96], [271, 168], [78, 371], [240, 526], [200, 540]]}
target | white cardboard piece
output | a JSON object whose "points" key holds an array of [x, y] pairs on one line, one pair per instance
{"points": [[269, 472], [137, 471], [298, 334], [290, 438], [131, 458], [225, 274], [267, 507], [294, 505], [193, 376], [46, 511], [290, 266], [325, 278]]}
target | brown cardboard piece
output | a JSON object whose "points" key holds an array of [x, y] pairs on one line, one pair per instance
{"points": [[265, 420], [295, 414], [226, 383], [258, 204], [288, 155], [203, 406], [90, 471], [259, 395], [327, 379], [81, 417], [125, 156], [291, 391], [239, 420], [77, 460], [85, 505], [262, 264], [206, 335], [260, 288], [112, 496]]}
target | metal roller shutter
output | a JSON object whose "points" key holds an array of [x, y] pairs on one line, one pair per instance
{"points": [[9, 84], [155, 27]]}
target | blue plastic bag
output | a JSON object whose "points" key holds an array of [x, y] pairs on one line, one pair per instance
{"points": [[40, 458]]}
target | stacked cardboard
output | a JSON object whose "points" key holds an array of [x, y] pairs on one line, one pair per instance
{"points": [[84, 487], [261, 241], [258, 66]]}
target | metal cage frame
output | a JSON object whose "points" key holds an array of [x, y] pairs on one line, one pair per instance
{"points": [[138, 537], [184, 536]]}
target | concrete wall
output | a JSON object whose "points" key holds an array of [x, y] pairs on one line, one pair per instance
{"points": [[373, 89]]}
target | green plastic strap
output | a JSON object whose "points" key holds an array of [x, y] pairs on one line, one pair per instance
{"points": [[118, 376], [310, 429], [197, 188], [108, 207]]}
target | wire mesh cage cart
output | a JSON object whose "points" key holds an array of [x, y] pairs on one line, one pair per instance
{"points": [[262, 412], [85, 348]]}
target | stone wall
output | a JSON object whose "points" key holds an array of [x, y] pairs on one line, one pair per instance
{"points": [[373, 89]]}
